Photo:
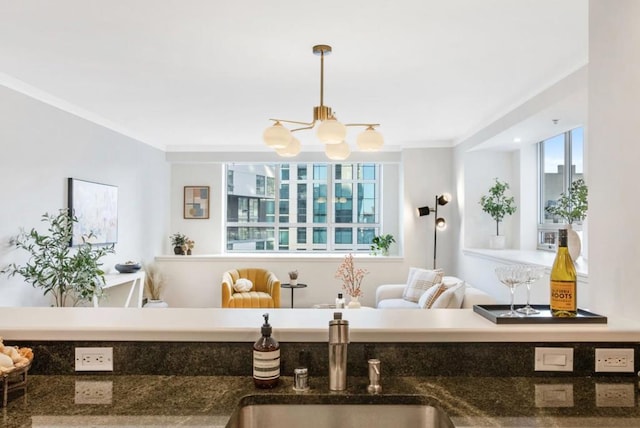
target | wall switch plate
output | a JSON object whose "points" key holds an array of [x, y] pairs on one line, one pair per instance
{"points": [[617, 360], [94, 359], [615, 395], [93, 392], [554, 360], [548, 395]]}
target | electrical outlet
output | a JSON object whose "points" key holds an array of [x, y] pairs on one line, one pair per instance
{"points": [[93, 392], [94, 359], [615, 395], [619, 360]]}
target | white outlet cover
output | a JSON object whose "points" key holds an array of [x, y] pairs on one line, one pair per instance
{"points": [[621, 360], [554, 359], [104, 354]]}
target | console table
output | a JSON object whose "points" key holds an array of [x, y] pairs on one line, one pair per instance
{"points": [[135, 279]]}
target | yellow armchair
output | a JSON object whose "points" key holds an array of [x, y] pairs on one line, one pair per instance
{"points": [[265, 292]]}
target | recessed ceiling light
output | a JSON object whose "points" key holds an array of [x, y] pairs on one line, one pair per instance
{"points": [[517, 140]]}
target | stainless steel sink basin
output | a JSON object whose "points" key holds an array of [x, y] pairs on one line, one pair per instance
{"points": [[339, 416]]}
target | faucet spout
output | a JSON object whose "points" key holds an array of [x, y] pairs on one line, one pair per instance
{"points": [[338, 342]]}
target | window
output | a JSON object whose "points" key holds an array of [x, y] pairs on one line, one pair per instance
{"points": [[320, 207], [554, 155]]}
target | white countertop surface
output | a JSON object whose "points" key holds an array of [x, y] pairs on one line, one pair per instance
{"points": [[291, 325]]}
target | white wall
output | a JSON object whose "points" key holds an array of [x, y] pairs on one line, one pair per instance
{"points": [[41, 147], [614, 153], [195, 281]]}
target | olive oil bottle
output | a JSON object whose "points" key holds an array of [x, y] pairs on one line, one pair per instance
{"points": [[563, 302]]}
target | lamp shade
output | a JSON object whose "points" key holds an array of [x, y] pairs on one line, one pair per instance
{"points": [[444, 199], [337, 151], [441, 223], [369, 140], [331, 131], [290, 150], [277, 136], [422, 211]]}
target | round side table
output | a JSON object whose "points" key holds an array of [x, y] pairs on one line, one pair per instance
{"points": [[293, 287]]}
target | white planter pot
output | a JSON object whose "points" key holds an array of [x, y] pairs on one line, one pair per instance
{"points": [[497, 242], [156, 304]]}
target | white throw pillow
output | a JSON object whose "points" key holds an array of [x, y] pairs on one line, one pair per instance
{"points": [[243, 285], [421, 281], [452, 296], [429, 297]]}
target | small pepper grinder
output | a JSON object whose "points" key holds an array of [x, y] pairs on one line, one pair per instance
{"points": [[374, 377]]}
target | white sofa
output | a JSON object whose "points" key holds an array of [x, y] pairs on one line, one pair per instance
{"points": [[389, 296]]}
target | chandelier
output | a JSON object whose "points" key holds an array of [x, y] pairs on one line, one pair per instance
{"points": [[330, 131]]}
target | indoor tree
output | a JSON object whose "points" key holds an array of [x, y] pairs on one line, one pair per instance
{"points": [[71, 274], [497, 204]]}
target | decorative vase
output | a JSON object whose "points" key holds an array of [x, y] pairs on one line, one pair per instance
{"points": [[573, 243], [151, 303], [178, 250], [293, 281], [497, 242], [189, 252], [354, 303]]}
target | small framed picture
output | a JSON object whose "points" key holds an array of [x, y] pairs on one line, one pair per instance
{"points": [[196, 202]]}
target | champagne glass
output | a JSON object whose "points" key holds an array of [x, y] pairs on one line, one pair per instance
{"points": [[511, 276], [534, 273]]}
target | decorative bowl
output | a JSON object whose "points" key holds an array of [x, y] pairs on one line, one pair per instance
{"points": [[128, 267]]}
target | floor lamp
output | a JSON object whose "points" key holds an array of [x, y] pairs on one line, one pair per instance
{"points": [[439, 223]]}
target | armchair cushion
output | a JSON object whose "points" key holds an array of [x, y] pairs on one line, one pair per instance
{"points": [[243, 285]]}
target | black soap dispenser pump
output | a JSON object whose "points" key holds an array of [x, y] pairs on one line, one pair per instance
{"points": [[266, 358]]}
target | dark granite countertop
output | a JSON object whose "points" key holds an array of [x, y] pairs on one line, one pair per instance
{"points": [[210, 400]]}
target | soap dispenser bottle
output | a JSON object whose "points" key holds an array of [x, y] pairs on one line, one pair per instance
{"points": [[266, 358]]}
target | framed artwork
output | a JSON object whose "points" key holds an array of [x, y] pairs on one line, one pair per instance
{"points": [[196, 202], [96, 207]]}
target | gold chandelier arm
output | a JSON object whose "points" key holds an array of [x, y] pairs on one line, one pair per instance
{"points": [[300, 129], [309, 124]]}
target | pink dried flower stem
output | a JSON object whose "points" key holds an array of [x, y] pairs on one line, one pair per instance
{"points": [[351, 276]]}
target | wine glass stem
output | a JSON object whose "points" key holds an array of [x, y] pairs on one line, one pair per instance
{"points": [[513, 292], [528, 294]]}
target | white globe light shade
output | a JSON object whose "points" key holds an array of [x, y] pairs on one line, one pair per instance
{"points": [[370, 140], [277, 136], [291, 150], [337, 151], [331, 132]]}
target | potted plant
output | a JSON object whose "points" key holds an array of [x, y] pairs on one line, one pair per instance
{"points": [[351, 278], [572, 208], [179, 242], [153, 285], [71, 274], [498, 205], [380, 244], [293, 277]]}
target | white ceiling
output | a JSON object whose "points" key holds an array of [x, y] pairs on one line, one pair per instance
{"points": [[207, 75]]}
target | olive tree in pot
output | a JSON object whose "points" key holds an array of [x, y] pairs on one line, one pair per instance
{"points": [[572, 208], [498, 206], [71, 274]]}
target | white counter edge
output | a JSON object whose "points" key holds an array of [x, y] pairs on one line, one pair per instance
{"points": [[290, 325]]}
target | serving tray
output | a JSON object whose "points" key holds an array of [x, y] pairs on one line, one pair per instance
{"points": [[492, 313]]}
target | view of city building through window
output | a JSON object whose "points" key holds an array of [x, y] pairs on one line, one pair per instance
{"points": [[302, 206], [561, 163]]}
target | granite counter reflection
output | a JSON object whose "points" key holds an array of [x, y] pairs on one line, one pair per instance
{"points": [[210, 400]]}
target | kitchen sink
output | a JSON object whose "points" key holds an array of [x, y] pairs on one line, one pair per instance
{"points": [[338, 415]]}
